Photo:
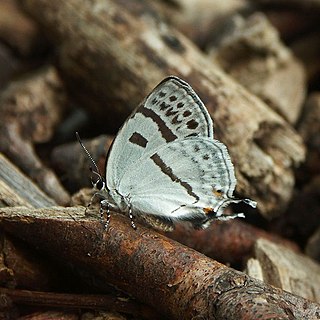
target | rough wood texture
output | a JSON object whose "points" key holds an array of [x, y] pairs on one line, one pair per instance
{"points": [[250, 51], [179, 282], [75, 301], [30, 109], [95, 60], [288, 270], [229, 242], [16, 189]]}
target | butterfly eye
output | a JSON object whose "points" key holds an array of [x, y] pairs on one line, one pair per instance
{"points": [[99, 184]]}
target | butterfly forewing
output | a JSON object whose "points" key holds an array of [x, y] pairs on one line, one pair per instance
{"points": [[172, 111]]}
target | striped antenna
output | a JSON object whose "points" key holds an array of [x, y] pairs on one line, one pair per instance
{"points": [[89, 156]]}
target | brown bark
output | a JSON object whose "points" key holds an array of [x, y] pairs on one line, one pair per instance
{"points": [[120, 52], [30, 109], [177, 281], [73, 164], [251, 51], [17, 29], [228, 242], [17, 190], [24, 268], [77, 301], [288, 270]]}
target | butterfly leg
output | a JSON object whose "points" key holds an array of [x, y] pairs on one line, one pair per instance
{"points": [[105, 208], [131, 218], [90, 203]]}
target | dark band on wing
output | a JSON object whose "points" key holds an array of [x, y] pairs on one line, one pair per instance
{"points": [[168, 171], [166, 132], [138, 139]]}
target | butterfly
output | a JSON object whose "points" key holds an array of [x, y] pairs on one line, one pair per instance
{"points": [[165, 166]]}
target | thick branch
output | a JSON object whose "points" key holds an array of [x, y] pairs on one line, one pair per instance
{"points": [[177, 281]]}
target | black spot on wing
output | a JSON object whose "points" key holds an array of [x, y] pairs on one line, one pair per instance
{"points": [[180, 105], [138, 139], [175, 120], [170, 112], [192, 124], [187, 113], [164, 105]]}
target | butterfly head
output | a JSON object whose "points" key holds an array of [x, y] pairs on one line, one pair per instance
{"points": [[98, 183]]}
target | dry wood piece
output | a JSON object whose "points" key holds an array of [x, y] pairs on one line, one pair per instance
{"points": [[77, 175], [75, 301], [17, 29], [29, 111], [264, 148], [197, 18], [19, 266], [288, 270], [250, 50], [27, 268], [227, 242], [16, 189], [175, 280]]}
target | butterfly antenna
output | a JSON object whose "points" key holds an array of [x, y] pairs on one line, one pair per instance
{"points": [[94, 172], [89, 156]]}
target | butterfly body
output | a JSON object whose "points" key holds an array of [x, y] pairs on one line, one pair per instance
{"points": [[165, 165]]}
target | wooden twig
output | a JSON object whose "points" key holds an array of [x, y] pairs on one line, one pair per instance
{"points": [[175, 280], [30, 109], [17, 190], [77, 301]]}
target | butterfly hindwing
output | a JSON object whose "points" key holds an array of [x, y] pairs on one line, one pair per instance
{"points": [[185, 178], [171, 111]]}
